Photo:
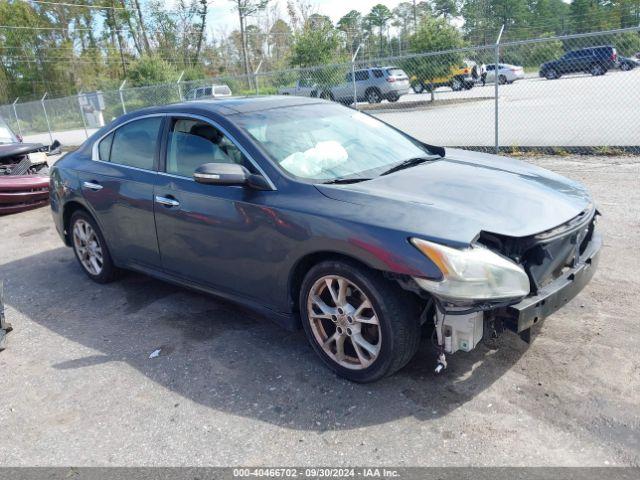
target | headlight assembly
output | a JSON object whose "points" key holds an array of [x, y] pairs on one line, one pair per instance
{"points": [[474, 273]]}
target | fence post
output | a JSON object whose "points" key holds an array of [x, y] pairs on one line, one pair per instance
{"points": [[178, 85], [495, 81], [124, 108], [46, 117], [255, 77], [353, 77], [15, 113], [84, 123]]}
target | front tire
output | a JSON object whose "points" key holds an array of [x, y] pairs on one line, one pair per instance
{"points": [[551, 74], [361, 325], [90, 248]]}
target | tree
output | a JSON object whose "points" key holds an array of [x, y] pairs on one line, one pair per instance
{"points": [[149, 70], [278, 39], [351, 25], [202, 12], [433, 35], [403, 17], [316, 44], [445, 8], [379, 17], [246, 9]]}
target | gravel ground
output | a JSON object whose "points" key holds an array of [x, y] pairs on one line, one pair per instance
{"points": [[77, 386]]}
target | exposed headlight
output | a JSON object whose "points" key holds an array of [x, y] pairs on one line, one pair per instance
{"points": [[474, 273]]}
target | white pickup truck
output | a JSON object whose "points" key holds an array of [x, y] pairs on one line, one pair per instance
{"points": [[302, 88]]}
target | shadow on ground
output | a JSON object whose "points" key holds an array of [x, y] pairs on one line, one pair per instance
{"points": [[229, 359]]}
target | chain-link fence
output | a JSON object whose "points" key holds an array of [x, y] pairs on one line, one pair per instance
{"points": [[566, 92]]}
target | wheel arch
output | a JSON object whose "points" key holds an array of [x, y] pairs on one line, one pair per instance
{"points": [[307, 262], [68, 210]]}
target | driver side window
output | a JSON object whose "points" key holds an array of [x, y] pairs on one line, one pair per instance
{"points": [[193, 142]]}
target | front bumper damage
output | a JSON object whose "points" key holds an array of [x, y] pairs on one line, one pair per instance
{"points": [[553, 296], [560, 263]]}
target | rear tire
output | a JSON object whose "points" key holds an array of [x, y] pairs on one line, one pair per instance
{"points": [[373, 96], [340, 324], [90, 248], [456, 85], [502, 80], [596, 70], [418, 87]]}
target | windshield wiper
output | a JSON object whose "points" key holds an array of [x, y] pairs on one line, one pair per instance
{"points": [[411, 162], [345, 180]]}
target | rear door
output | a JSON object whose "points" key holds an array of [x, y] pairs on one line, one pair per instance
{"points": [[118, 184]]}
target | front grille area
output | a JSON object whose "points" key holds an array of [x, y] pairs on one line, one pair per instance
{"points": [[547, 255], [550, 254]]}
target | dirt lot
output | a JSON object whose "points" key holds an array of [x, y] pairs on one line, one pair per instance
{"points": [[77, 386]]}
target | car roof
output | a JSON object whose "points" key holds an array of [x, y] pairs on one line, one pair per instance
{"points": [[230, 105]]}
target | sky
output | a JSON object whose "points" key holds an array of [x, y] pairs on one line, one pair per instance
{"points": [[223, 18]]}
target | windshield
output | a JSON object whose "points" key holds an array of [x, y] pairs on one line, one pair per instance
{"points": [[323, 142], [6, 135]]}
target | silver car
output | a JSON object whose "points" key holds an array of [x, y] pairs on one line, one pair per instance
{"points": [[372, 85], [506, 73]]}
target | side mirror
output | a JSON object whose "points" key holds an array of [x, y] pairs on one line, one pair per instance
{"points": [[230, 174], [221, 174]]}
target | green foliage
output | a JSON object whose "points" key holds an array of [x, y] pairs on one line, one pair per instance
{"points": [[532, 55], [315, 45], [433, 35], [148, 70], [627, 43]]}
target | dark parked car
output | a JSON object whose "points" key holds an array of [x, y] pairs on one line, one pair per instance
{"points": [[628, 63], [593, 60], [321, 216]]}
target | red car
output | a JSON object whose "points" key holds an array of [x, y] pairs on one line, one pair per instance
{"points": [[24, 173]]}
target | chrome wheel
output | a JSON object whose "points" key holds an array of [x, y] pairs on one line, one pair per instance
{"points": [[344, 322], [87, 247]]}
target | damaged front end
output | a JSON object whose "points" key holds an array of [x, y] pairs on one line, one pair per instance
{"points": [[24, 181], [557, 263]]}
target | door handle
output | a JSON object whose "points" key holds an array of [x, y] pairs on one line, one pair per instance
{"points": [[167, 202], [92, 186]]}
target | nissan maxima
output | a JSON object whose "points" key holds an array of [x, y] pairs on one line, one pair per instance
{"points": [[320, 216]]}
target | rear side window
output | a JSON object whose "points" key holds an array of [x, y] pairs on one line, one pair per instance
{"points": [[377, 73], [135, 143], [397, 72], [362, 75], [104, 148]]}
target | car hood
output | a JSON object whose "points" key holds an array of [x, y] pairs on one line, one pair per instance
{"points": [[13, 149], [454, 198]]}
